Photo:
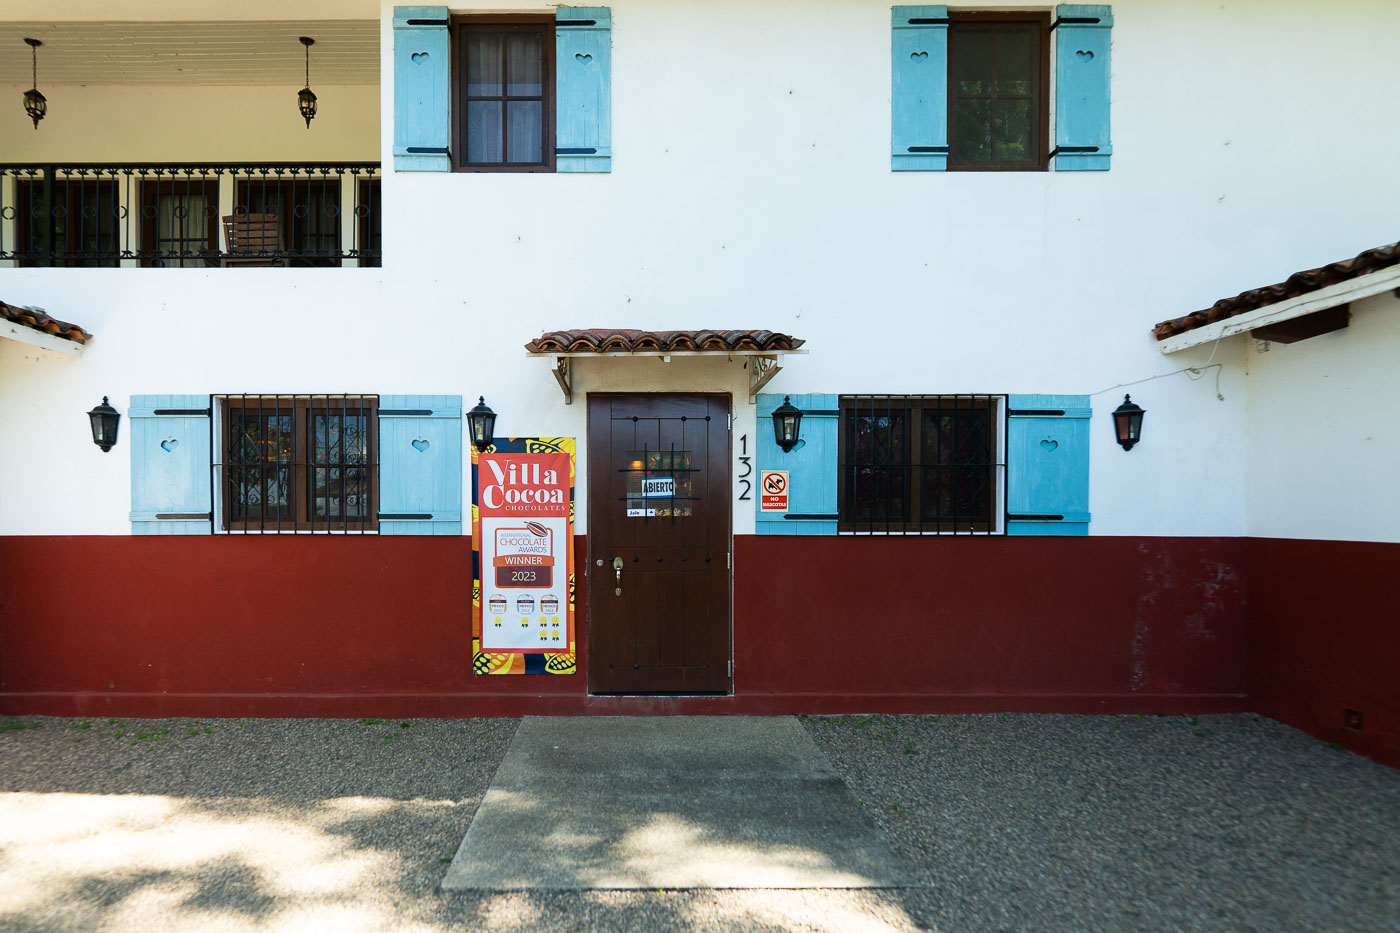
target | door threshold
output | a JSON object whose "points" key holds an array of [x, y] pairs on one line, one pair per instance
{"points": [[661, 693]]}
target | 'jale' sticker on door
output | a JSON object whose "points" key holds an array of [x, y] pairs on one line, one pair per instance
{"points": [[524, 556]]}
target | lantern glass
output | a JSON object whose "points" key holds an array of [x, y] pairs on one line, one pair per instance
{"points": [[481, 422], [1127, 423], [787, 424], [104, 420], [36, 105], [306, 101]]}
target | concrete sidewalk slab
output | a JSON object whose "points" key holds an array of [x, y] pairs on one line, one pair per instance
{"points": [[669, 802]]}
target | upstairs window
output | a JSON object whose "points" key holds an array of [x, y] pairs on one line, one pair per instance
{"points": [[504, 94], [998, 91]]}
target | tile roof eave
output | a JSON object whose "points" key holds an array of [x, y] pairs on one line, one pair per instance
{"points": [[1295, 286]]}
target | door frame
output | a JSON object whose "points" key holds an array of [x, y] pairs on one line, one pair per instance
{"points": [[592, 579]]}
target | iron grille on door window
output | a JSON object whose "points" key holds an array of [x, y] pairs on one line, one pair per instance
{"points": [[912, 464], [298, 463]]}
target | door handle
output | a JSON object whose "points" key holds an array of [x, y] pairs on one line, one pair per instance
{"points": [[617, 568]]}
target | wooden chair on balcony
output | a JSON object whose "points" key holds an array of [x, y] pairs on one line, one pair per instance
{"points": [[253, 240]]}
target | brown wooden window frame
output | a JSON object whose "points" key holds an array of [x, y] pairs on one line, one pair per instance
{"points": [[300, 464], [544, 25], [369, 232], [908, 471], [1039, 97], [294, 232], [151, 190], [72, 195]]}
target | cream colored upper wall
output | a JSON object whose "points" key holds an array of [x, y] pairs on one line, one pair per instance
{"points": [[1324, 436], [188, 10], [169, 124]]}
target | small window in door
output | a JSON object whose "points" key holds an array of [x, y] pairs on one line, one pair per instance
{"points": [[659, 483]]}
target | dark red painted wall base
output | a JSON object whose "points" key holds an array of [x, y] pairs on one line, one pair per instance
{"points": [[1324, 638], [268, 626]]}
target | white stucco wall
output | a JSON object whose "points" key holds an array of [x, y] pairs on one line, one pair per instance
{"points": [[1324, 436], [751, 188]]}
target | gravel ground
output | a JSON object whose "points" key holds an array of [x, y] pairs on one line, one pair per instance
{"points": [[1015, 823]]}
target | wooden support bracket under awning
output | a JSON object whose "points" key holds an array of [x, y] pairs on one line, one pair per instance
{"points": [[759, 349]]}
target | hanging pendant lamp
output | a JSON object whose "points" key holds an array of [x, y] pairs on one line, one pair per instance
{"points": [[35, 104], [306, 100]]}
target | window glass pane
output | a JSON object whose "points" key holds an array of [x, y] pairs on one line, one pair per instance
{"points": [[340, 490], [483, 63], [525, 132], [1012, 134], [972, 130], [659, 483], [484, 131], [1015, 62], [973, 62], [524, 65], [259, 467], [182, 224]]}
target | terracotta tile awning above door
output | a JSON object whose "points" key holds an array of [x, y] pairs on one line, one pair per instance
{"points": [[759, 348], [611, 340]]}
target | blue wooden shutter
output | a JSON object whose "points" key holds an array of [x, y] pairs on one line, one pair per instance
{"points": [[1082, 41], [170, 465], [919, 92], [422, 89], [420, 464], [583, 88], [1047, 465], [812, 466]]}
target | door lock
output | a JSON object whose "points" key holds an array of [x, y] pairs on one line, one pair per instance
{"points": [[617, 568]]}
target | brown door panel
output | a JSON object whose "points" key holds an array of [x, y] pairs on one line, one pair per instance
{"points": [[665, 458]]}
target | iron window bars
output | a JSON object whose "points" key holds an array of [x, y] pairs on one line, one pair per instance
{"points": [[297, 463], [912, 464], [167, 214]]}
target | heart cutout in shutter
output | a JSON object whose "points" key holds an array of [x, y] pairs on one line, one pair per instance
{"points": [[918, 56], [419, 57], [1085, 56], [420, 445], [169, 445], [1049, 444], [583, 57]]}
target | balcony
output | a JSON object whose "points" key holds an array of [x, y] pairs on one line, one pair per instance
{"points": [[182, 144], [190, 216]]}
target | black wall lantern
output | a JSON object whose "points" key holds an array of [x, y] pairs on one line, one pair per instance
{"points": [[35, 104], [104, 420], [787, 423], [306, 100], [1127, 423], [481, 421]]}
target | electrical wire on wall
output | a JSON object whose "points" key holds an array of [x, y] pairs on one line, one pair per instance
{"points": [[1194, 373]]}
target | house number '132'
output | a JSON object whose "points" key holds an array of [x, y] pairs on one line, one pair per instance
{"points": [[748, 469]]}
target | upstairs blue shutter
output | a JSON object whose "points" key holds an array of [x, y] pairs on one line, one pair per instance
{"points": [[919, 89], [812, 466], [420, 464], [422, 89], [170, 465], [1047, 465], [583, 88], [1082, 41]]}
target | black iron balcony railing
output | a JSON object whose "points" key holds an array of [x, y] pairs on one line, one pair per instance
{"points": [[190, 215]]}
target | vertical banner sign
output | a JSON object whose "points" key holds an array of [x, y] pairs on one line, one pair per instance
{"points": [[523, 557]]}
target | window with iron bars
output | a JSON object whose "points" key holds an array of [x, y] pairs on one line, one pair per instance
{"points": [[917, 464], [297, 463]]}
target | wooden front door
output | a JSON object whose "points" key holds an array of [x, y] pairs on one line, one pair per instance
{"points": [[658, 544]]}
